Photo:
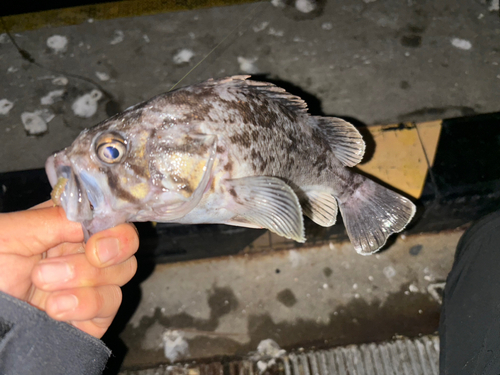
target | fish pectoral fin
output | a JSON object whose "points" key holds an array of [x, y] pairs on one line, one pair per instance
{"points": [[345, 140], [268, 202], [239, 221], [319, 205]]}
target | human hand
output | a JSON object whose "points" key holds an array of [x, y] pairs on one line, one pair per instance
{"points": [[73, 282]]}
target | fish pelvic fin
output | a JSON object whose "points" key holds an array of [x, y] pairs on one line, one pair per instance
{"points": [[344, 139], [372, 214], [319, 205], [268, 202]]}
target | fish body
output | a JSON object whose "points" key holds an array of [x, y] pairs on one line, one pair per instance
{"points": [[230, 151]]}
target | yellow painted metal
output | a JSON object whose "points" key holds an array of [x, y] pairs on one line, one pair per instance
{"points": [[402, 154], [118, 9]]}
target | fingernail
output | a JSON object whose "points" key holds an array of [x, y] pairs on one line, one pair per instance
{"points": [[107, 249], [55, 272], [65, 303]]}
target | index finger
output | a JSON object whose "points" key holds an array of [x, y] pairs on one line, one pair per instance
{"points": [[45, 204], [35, 231]]}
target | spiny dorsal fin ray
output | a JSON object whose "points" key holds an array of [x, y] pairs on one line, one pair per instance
{"points": [[271, 91], [344, 139], [319, 205], [269, 203]]}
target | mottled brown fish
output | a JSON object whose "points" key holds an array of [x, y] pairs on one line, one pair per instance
{"points": [[230, 151]]}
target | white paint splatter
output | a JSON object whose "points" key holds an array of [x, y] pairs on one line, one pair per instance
{"points": [[57, 43], [90, 20], [52, 97], [434, 291], [4, 38], [118, 37], [86, 105], [146, 38], [413, 288], [60, 81], [183, 56], [278, 3], [294, 258], [12, 69], [270, 348], [174, 345], [461, 43], [260, 27], [102, 76], [247, 65], [274, 32], [494, 6], [305, 6], [261, 366], [35, 123], [5, 106], [327, 26], [389, 272]]}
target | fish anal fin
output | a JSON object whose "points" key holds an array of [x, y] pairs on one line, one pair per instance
{"points": [[345, 140], [319, 205], [267, 202]]}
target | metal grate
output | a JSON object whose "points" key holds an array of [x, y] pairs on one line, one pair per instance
{"points": [[399, 357]]}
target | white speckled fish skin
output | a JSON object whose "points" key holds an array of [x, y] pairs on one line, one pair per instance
{"points": [[229, 151]]}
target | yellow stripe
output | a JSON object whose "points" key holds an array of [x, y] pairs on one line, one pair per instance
{"points": [[399, 158], [128, 8]]}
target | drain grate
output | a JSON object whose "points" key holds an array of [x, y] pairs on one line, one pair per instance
{"points": [[399, 357]]}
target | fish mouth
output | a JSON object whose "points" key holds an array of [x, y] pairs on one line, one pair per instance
{"points": [[69, 189]]}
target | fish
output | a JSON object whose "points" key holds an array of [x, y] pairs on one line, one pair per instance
{"points": [[229, 151]]}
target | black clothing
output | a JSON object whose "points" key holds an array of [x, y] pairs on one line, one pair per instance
{"points": [[469, 329], [31, 343]]}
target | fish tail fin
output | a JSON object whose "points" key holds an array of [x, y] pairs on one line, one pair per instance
{"points": [[372, 213]]}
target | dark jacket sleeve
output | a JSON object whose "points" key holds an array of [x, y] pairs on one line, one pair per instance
{"points": [[31, 343]]}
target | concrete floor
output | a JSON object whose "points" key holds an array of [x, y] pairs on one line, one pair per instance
{"points": [[377, 62], [317, 296]]}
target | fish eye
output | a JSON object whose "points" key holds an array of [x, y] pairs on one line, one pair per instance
{"points": [[110, 148]]}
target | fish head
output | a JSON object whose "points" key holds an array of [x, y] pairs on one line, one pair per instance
{"points": [[113, 174], [86, 179]]}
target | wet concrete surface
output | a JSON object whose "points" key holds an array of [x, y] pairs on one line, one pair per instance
{"points": [[312, 297], [375, 62]]}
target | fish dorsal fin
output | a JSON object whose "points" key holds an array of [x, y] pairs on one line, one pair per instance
{"points": [[319, 205], [344, 139], [268, 202], [271, 91]]}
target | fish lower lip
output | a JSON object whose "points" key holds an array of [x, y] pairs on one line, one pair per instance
{"points": [[64, 171]]}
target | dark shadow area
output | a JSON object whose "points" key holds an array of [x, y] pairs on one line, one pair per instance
{"points": [[463, 184], [24, 6]]}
